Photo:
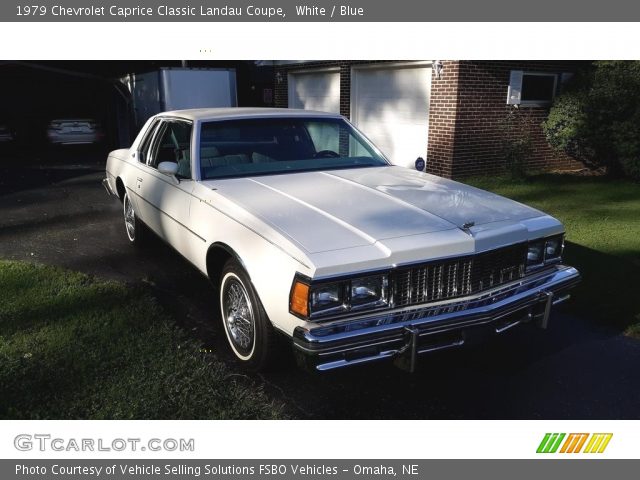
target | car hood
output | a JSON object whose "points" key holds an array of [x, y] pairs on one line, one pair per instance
{"points": [[341, 209]]}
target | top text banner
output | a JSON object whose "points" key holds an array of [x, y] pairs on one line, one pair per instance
{"points": [[320, 11]]}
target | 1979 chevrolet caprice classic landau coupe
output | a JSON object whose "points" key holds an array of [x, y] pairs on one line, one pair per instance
{"points": [[306, 229]]}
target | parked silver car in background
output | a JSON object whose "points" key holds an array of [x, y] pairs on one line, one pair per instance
{"points": [[6, 134], [70, 131]]}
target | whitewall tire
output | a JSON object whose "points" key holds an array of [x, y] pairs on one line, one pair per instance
{"points": [[247, 328]]}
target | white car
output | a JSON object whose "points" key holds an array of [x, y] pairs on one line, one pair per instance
{"points": [[305, 229]]}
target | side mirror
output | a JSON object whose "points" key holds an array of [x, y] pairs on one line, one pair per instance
{"points": [[168, 168]]}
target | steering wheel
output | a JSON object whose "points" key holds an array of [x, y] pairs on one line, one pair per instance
{"points": [[326, 154]]}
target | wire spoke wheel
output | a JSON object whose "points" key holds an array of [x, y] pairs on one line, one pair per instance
{"points": [[248, 329], [129, 218], [238, 315]]}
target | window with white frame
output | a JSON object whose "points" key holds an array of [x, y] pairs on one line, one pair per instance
{"points": [[531, 88]]}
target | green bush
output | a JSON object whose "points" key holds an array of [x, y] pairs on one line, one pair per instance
{"points": [[516, 145], [597, 118]]}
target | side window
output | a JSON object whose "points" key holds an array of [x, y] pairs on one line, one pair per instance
{"points": [[143, 149], [173, 144]]}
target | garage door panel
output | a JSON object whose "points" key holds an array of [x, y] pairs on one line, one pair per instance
{"points": [[400, 142], [315, 91], [391, 112], [398, 79], [391, 106]]}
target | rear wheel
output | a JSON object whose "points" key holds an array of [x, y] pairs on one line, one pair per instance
{"points": [[249, 331], [133, 226]]}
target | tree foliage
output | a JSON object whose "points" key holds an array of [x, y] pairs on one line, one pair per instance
{"points": [[597, 117]]}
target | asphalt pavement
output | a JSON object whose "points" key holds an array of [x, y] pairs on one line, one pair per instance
{"points": [[58, 213]]}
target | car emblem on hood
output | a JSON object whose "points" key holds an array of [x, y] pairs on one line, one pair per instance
{"points": [[466, 227]]}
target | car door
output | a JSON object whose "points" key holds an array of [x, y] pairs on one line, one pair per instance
{"points": [[134, 178], [166, 198]]}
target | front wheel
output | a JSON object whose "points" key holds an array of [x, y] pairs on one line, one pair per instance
{"points": [[132, 224], [249, 331]]}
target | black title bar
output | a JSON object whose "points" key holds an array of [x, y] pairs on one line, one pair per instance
{"points": [[320, 11]]}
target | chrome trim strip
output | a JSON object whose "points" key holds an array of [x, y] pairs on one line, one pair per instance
{"points": [[342, 363], [508, 326], [562, 299]]}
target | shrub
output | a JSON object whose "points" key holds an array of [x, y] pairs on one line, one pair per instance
{"points": [[516, 144], [597, 118]]}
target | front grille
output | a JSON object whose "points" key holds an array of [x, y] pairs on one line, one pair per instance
{"points": [[457, 277]]}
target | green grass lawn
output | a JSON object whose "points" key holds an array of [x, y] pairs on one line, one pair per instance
{"points": [[74, 347], [602, 220]]}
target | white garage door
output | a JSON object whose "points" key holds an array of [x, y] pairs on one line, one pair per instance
{"points": [[315, 91], [391, 106]]}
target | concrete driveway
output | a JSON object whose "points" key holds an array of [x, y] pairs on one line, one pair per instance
{"points": [[60, 214]]}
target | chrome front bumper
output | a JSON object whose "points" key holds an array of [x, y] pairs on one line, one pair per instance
{"points": [[403, 335]]}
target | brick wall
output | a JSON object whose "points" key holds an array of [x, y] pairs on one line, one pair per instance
{"points": [[468, 115], [485, 124], [443, 108]]}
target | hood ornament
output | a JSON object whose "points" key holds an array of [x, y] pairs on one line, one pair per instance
{"points": [[466, 227]]}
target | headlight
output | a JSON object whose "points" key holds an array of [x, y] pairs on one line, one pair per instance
{"points": [[553, 248], [327, 298], [535, 253], [333, 298], [369, 291], [544, 251]]}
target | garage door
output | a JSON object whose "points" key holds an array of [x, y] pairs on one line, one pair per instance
{"points": [[315, 91], [391, 106]]}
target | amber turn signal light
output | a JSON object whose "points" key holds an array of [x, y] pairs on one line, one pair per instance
{"points": [[299, 302]]}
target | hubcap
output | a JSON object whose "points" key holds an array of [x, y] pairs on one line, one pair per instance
{"points": [[238, 315], [129, 219]]}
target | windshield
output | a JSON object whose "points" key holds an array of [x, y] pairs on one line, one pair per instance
{"points": [[264, 146]]}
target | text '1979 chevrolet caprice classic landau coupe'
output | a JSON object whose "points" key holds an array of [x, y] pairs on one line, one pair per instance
{"points": [[304, 228]]}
